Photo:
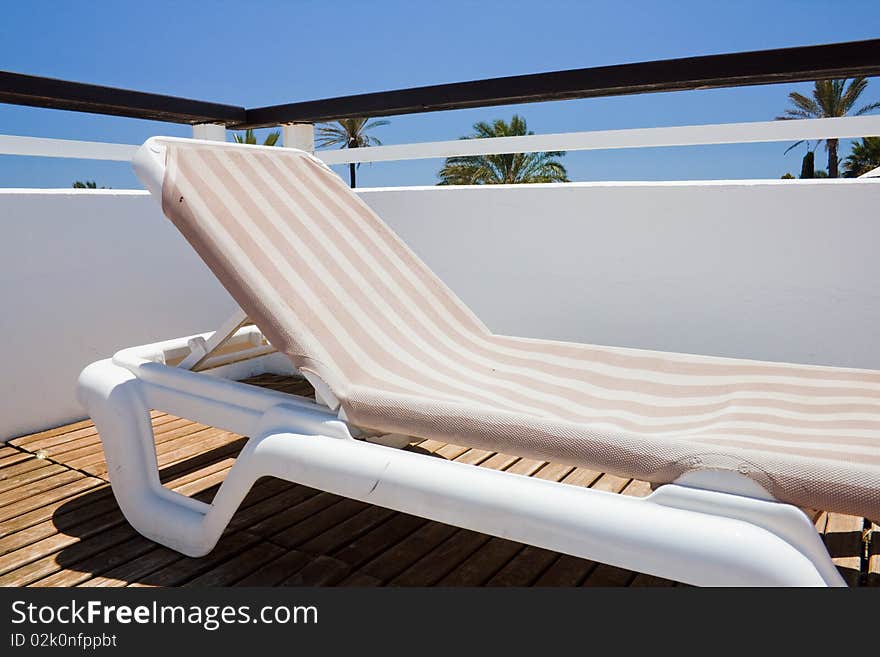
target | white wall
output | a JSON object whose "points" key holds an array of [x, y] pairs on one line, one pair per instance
{"points": [[781, 270], [776, 270], [82, 274]]}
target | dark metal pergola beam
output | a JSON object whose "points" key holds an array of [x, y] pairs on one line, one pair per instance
{"points": [[705, 72], [34, 91]]}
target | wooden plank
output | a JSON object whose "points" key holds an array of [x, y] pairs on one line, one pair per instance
{"points": [[440, 561], [566, 571], [582, 477], [75, 550], [644, 580], [62, 523], [10, 456], [499, 461], [187, 568], [610, 483], [56, 510], [26, 463], [554, 472], [79, 537], [172, 473], [402, 555], [207, 484], [47, 547], [426, 447], [7, 451], [20, 476], [275, 571], [245, 563], [843, 539], [299, 387], [297, 534], [82, 454], [98, 563], [636, 488], [60, 493], [360, 579], [66, 433], [482, 565], [526, 467], [196, 446], [605, 575], [159, 557], [525, 568], [167, 453], [23, 496], [282, 501], [381, 538], [474, 456], [451, 452], [279, 522], [54, 431], [873, 578], [343, 532], [163, 429], [133, 571], [320, 571]]}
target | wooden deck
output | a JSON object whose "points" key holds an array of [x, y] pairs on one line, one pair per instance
{"points": [[60, 526]]}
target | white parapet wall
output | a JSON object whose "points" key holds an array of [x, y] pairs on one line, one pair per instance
{"points": [[780, 270], [774, 270], [82, 274]]}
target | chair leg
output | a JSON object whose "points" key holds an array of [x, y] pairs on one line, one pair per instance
{"points": [[112, 396]]}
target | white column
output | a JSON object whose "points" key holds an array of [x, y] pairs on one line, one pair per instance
{"points": [[299, 135], [209, 131]]}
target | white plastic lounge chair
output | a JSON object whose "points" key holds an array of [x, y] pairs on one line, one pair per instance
{"points": [[735, 446]]}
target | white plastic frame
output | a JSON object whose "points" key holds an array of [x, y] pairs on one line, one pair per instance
{"points": [[685, 531], [680, 532]]}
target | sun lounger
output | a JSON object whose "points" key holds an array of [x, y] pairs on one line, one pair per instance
{"points": [[328, 291]]}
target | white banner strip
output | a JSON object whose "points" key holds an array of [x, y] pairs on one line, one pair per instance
{"points": [[693, 135], [82, 150]]}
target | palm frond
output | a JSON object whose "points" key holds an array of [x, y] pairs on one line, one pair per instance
{"points": [[348, 133], [502, 168], [864, 157], [794, 145], [852, 93], [870, 107], [830, 99], [804, 104]]}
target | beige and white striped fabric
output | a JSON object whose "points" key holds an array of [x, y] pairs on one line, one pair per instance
{"points": [[337, 291]]}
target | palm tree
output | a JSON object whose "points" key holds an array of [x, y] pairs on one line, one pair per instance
{"points": [[831, 98], [508, 168], [349, 133], [251, 138], [864, 157]]}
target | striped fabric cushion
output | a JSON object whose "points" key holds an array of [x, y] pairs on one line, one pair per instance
{"points": [[337, 291]]}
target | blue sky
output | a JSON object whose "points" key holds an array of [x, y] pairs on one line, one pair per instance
{"points": [[259, 53]]}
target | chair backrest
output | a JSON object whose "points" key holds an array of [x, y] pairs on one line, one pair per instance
{"points": [[326, 280]]}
